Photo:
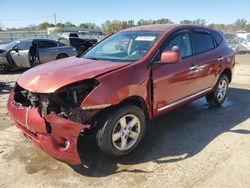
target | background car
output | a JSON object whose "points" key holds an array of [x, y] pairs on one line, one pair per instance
{"points": [[233, 41], [245, 44], [27, 53], [81, 45], [238, 43]]}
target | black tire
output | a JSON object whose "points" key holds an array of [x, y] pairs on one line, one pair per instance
{"points": [[61, 56], [214, 98], [3, 68], [111, 123]]}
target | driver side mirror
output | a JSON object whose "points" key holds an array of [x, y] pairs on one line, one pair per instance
{"points": [[171, 56]]}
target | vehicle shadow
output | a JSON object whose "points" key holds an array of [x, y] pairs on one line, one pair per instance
{"points": [[5, 87], [17, 71], [176, 136]]}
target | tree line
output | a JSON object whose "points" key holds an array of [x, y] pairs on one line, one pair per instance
{"points": [[109, 27]]}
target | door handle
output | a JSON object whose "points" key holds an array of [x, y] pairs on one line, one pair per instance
{"points": [[193, 67], [220, 58]]}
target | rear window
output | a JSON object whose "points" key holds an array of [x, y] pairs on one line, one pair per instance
{"points": [[64, 41], [203, 42], [73, 35], [74, 41], [217, 37]]}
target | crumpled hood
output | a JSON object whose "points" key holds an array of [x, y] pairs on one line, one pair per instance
{"points": [[51, 76]]}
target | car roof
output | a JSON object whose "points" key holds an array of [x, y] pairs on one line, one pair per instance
{"points": [[163, 27], [37, 39]]}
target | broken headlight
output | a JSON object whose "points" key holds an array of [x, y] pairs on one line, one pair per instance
{"points": [[73, 94], [67, 97]]}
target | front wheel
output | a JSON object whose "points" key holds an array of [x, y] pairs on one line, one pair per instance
{"points": [[218, 96], [122, 131]]}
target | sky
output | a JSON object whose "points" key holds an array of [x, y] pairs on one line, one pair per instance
{"points": [[20, 13]]}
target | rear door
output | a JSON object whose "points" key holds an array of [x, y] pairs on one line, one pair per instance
{"points": [[208, 58], [47, 50], [174, 82], [20, 55]]}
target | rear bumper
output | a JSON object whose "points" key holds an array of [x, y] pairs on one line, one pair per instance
{"points": [[61, 143]]}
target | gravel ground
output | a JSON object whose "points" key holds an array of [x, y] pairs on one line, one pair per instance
{"points": [[193, 146]]}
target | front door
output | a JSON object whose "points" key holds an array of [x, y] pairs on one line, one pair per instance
{"points": [[20, 54], [174, 82]]}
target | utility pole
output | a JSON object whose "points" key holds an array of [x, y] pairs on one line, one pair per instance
{"points": [[55, 18]]}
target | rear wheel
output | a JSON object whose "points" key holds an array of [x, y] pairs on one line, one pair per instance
{"points": [[60, 56], [122, 131], [218, 96], [3, 68]]}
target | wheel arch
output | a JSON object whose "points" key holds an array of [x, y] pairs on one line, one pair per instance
{"points": [[228, 73], [62, 53], [137, 101], [132, 100]]}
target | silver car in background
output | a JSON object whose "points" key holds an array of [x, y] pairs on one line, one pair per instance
{"points": [[27, 53]]}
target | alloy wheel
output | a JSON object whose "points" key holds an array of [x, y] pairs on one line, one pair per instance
{"points": [[222, 90], [126, 132]]}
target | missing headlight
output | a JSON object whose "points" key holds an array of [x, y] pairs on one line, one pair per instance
{"points": [[67, 100], [73, 94], [25, 98]]}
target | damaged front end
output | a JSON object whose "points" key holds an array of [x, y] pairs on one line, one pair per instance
{"points": [[53, 121]]}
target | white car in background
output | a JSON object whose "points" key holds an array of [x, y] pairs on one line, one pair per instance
{"points": [[233, 41], [238, 44], [245, 44], [244, 41]]}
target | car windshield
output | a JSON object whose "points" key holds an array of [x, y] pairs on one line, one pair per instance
{"points": [[10, 45], [126, 46]]}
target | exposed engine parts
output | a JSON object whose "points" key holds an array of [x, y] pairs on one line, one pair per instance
{"points": [[65, 102]]}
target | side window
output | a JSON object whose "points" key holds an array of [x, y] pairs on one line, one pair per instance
{"points": [[183, 41], [203, 42], [46, 44], [24, 45]]}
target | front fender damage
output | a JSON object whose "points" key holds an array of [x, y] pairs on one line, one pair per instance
{"points": [[54, 128], [63, 140]]}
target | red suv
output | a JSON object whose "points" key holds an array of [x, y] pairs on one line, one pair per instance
{"points": [[130, 77]]}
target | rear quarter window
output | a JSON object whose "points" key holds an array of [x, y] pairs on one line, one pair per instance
{"points": [[203, 42], [217, 37]]}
